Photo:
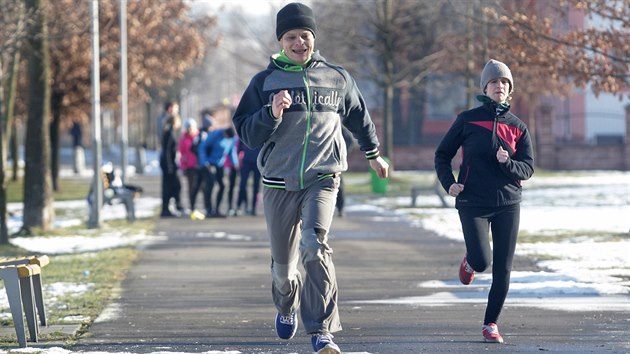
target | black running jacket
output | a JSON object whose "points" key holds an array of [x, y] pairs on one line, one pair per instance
{"points": [[479, 132]]}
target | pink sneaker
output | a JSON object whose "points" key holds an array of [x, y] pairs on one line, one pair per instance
{"points": [[491, 333], [466, 273]]}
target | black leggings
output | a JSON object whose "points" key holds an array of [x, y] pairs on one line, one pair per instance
{"points": [[504, 223]]}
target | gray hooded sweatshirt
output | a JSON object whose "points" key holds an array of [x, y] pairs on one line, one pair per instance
{"points": [[306, 144]]}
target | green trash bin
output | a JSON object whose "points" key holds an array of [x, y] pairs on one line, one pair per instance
{"points": [[379, 185]]}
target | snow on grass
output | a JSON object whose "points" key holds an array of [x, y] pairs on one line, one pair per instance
{"points": [[577, 227], [578, 230]]}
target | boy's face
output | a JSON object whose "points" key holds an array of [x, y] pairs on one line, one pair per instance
{"points": [[298, 44], [498, 89]]}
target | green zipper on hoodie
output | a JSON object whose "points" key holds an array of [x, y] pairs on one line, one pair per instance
{"points": [[309, 114], [292, 67]]}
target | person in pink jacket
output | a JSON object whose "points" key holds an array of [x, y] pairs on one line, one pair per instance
{"points": [[188, 159]]}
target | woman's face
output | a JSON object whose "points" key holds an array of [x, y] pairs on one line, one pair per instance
{"points": [[298, 44], [498, 89]]}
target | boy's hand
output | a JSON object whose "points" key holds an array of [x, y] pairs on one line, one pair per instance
{"points": [[280, 102]]}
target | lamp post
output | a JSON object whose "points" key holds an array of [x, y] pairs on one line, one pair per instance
{"points": [[95, 219], [123, 88]]}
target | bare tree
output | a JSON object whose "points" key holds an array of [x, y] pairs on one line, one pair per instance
{"points": [[227, 68], [38, 208], [394, 43], [596, 56], [12, 33], [163, 42], [551, 55]]}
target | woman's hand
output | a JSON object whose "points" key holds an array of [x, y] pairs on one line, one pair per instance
{"points": [[502, 155], [455, 189]]}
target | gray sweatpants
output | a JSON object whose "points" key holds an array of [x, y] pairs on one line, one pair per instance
{"points": [[300, 221]]}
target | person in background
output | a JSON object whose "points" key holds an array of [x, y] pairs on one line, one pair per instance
{"points": [[77, 135], [294, 109], [497, 155], [232, 170], [171, 186], [213, 151], [78, 152], [207, 123], [207, 120], [170, 108], [188, 159], [248, 157]]}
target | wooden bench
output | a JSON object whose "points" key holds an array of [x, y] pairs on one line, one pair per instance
{"points": [[18, 283], [40, 261], [113, 193]]}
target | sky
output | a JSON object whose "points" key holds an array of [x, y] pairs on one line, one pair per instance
{"points": [[576, 226]]}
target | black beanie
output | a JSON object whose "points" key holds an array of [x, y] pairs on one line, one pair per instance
{"points": [[295, 15]]}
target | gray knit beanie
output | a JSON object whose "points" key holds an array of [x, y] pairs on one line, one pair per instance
{"points": [[295, 15], [495, 69]]}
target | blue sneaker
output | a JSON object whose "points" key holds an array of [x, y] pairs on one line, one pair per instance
{"points": [[286, 326], [323, 344]]}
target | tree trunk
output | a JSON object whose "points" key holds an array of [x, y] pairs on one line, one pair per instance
{"points": [[417, 112], [533, 102], [14, 151], [389, 122], [11, 129], [7, 135], [38, 210], [471, 87], [389, 83], [4, 233], [54, 153], [54, 140], [4, 230]]}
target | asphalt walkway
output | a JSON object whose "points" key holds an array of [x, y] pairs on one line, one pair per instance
{"points": [[206, 288]]}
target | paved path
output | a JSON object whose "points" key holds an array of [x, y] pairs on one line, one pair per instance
{"points": [[207, 288]]}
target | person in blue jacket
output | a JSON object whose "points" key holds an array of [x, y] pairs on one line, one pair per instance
{"points": [[248, 158], [294, 110], [497, 154], [217, 146]]}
